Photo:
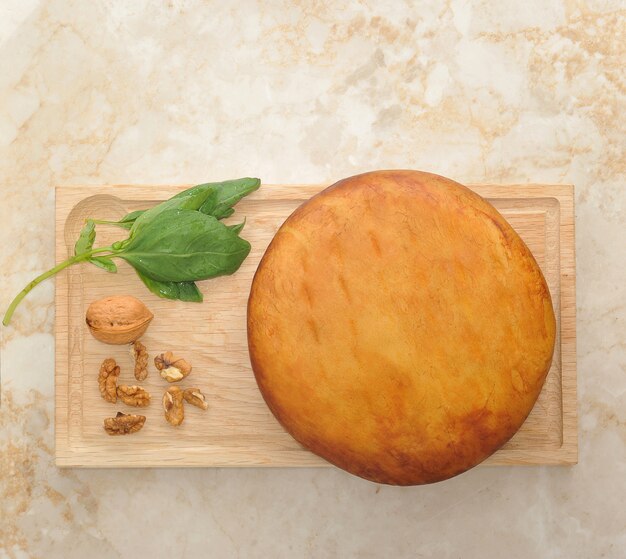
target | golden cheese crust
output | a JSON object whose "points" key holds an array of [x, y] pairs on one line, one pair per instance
{"points": [[399, 327]]}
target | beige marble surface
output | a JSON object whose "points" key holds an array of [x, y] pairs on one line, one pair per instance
{"points": [[311, 91]]}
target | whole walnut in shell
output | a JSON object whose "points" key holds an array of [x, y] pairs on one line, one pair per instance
{"points": [[120, 319]]}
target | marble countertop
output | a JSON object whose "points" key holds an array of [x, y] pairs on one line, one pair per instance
{"points": [[311, 91]]}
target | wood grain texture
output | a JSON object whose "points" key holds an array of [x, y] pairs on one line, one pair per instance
{"points": [[238, 429]]}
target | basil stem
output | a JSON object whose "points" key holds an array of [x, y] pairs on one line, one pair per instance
{"points": [[51, 272]]}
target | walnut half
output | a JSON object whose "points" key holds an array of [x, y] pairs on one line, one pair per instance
{"points": [[173, 405], [124, 424], [172, 368], [140, 355], [133, 396], [107, 380], [195, 397]]}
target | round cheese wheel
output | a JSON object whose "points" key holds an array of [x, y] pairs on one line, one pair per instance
{"points": [[399, 327]]}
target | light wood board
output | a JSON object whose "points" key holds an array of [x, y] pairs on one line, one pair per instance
{"points": [[238, 429]]}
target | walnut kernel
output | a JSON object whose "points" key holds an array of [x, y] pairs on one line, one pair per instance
{"points": [[195, 397], [107, 380], [133, 396], [173, 405], [172, 368], [140, 355], [124, 424]]}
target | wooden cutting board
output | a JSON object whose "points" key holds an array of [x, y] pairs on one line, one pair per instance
{"points": [[238, 429]]}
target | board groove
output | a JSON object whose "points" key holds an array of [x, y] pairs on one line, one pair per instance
{"points": [[238, 429]]}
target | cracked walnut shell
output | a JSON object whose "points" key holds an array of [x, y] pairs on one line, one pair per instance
{"points": [[133, 396], [120, 319], [172, 368], [195, 397], [124, 424], [173, 405], [140, 355], [107, 380]]}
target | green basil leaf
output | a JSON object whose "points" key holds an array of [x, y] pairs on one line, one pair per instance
{"points": [[104, 262], [192, 191], [86, 238], [228, 193], [128, 220], [227, 212], [131, 216], [182, 290], [222, 196], [192, 201], [184, 245], [238, 227]]}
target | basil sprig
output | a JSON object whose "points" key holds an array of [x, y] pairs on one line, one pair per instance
{"points": [[171, 245]]}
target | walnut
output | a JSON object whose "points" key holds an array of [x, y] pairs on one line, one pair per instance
{"points": [[173, 405], [124, 424], [195, 397], [133, 396], [140, 355], [172, 368], [107, 379], [121, 319]]}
